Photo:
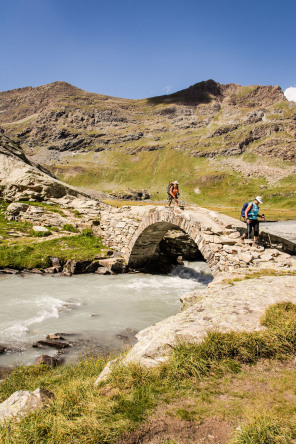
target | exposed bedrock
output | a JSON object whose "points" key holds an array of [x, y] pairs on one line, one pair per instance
{"points": [[22, 179]]}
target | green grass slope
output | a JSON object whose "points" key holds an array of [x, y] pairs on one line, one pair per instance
{"points": [[200, 182]]}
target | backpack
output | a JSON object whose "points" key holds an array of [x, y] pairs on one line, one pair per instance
{"points": [[243, 210], [169, 187]]}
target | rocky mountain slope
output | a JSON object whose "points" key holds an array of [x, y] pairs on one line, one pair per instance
{"points": [[224, 143]]}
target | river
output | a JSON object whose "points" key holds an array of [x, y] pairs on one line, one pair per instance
{"points": [[89, 308]]}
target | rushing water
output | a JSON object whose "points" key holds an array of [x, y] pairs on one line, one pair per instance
{"points": [[93, 309]]}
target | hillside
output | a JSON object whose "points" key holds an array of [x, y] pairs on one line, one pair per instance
{"points": [[224, 143]]}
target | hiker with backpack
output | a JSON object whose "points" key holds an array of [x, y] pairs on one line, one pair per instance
{"points": [[173, 192], [250, 212]]}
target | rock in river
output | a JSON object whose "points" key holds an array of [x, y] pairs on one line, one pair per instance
{"points": [[51, 343]]}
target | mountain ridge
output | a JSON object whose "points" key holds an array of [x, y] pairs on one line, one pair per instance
{"points": [[108, 143], [201, 92]]}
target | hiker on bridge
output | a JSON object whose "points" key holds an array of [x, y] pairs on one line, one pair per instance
{"points": [[173, 192], [251, 217]]}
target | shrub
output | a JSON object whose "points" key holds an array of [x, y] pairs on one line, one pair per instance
{"points": [[69, 227], [34, 233]]}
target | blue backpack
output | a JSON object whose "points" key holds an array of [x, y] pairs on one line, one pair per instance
{"points": [[243, 211]]}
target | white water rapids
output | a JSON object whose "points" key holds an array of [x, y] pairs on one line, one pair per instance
{"points": [[92, 308]]}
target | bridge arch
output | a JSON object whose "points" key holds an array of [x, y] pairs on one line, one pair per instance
{"points": [[142, 249]]}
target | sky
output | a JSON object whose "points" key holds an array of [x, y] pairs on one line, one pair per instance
{"points": [[142, 48]]}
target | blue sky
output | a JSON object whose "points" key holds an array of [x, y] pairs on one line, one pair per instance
{"points": [[141, 48]]}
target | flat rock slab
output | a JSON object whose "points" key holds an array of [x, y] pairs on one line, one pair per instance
{"points": [[52, 343], [39, 229], [237, 307]]}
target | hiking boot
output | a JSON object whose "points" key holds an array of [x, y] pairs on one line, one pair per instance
{"points": [[241, 240]]}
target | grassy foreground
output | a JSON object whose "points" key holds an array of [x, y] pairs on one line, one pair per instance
{"points": [[240, 378]]}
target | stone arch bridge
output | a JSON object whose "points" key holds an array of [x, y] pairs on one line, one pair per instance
{"points": [[136, 231]]}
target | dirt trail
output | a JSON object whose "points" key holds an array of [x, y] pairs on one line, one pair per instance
{"points": [[32, 116], [165, 428]]}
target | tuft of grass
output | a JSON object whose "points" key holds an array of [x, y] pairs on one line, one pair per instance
{"points": [[186, 415], [264, 429], [56, 229], [71, 228]]}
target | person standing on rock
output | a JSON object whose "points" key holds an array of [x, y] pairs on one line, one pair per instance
{"points": [[173, 192], [251, 216]]}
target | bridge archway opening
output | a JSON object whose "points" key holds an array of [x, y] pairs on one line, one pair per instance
{"points": [[161, 245]]}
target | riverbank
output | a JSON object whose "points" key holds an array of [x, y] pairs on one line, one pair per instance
{"points": [[234, 387]]}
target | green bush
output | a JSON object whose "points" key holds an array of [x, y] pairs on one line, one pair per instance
{"points": [[87, 232]]}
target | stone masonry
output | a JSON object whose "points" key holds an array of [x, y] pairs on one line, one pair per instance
{"points": [[135, 232]]}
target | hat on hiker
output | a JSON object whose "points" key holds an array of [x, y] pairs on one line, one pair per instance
{"points": [[176, 182], [259, 198]]}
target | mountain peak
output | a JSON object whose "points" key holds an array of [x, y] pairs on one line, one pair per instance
{"points": [[210, 90]]}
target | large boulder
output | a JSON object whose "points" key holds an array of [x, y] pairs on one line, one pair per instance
{"points": [[22, 402], [22, 179], [50, 361]]}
